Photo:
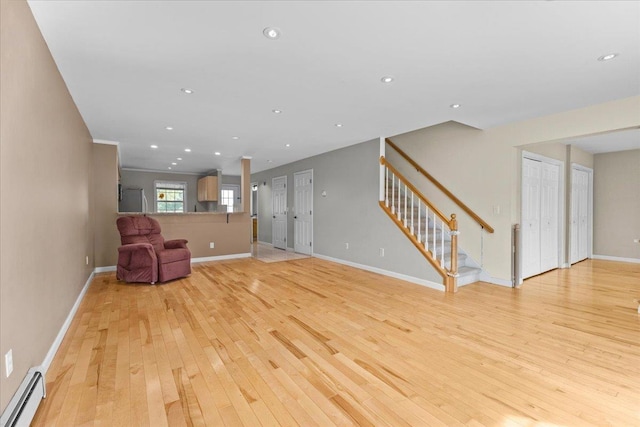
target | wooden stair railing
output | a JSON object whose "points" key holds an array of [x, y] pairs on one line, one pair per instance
{"points": [[421, 222], [441, 187]]}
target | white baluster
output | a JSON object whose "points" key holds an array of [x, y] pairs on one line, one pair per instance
{"points": [[435, 250], [386, 186], [419, 221], [406, 189], [426, 227], [399, 200], [393, 189], [442, 245], [412, 229]]}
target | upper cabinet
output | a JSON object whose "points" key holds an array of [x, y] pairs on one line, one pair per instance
{"points": [[208, 189]]}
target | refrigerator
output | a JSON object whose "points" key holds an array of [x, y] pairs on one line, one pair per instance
{"points": [[133, 200]]}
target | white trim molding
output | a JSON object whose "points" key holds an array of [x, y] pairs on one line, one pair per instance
{"points": [[411, 279], [105, 269], [65, 326], [485, 277], [616, 258], [220, 257]]}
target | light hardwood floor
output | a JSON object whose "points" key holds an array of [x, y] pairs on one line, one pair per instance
{"points": [[309, 342]]}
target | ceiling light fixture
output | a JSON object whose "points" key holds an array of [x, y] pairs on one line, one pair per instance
{"points": [[386, 79], [287, 145], [169, 167], [187, 91], [188, 150], [217, 153], [178, 158], [454, 106], [235, 137], [338, 125], [277, 111], [174, 163], [608, 56], [168, 128], [153, 146], [271, 33], [269, 161]]}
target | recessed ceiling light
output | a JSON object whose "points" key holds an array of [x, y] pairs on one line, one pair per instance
{"points": [[271, 33], [608, 56], [217, 153], [454, 106], [178, 158], [168, 128], [169, 167], [174, 163], [187, 91], [153, 146], [338, 125], [188, 150], [234, 137], [386, 79], [277, 111], [269, 161], [287, 145]]}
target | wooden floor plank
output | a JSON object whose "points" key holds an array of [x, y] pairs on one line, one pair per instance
{"points": [[309, 342]]}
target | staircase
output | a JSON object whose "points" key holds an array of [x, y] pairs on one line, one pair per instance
{"points": [[430, 231]]}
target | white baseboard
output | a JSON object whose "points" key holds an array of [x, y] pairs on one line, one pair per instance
{"points": [[422, 282], [65, 326], [485, 277], [106, 269], [220, 257], [616, 258]]}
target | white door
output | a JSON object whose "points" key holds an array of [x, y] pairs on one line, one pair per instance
{"points": [[549, 218], [580, 230], [531, 174], [302, 215], [279, 201]]}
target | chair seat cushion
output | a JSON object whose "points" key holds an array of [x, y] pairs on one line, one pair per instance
{"points": [[172, 255]]}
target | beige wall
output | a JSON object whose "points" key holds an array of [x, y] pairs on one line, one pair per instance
{"points": [[616, 210], [45, 187], [105, 204], [482, 168]]}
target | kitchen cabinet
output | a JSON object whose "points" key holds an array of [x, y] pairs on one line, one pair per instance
{"points": [[208, 189]]}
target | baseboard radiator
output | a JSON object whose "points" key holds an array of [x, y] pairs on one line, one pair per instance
{"points": [[25, 402]]}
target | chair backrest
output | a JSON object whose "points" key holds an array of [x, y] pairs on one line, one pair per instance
{"points": [[140, 229]]}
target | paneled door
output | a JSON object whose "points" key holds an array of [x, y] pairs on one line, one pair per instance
{"points": [[531, 174], [580, 214], [279, 222], [303, 211], [540, 216]]}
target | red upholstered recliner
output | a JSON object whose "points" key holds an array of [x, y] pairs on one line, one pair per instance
{"points": [[145, 256]]}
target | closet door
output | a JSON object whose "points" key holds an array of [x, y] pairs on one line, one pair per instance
{"points": [[579, 215], [549, 219], [531, 175]]}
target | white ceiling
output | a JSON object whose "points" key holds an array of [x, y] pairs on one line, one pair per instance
{"points": [[126, 61], [605, 143]]}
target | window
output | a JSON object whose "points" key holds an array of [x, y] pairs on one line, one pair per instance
{"points": [[228, 196], [170, 196]]}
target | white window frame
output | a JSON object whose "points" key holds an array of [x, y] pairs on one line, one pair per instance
{"points": [[236, 195], [159, 184]]}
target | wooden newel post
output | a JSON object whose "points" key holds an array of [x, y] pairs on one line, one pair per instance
{"points": [[452, 283]]}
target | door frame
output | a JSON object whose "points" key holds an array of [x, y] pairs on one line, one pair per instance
{"points": [[589, 172], [254, 208], [286, 220], [562, 262], [295, 213]]}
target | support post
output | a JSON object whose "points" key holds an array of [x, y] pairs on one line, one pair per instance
{"points": [[451, 284], [382, 183]]}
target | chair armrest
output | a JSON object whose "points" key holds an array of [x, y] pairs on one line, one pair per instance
{"points": [[136, 247], [175, 244]]}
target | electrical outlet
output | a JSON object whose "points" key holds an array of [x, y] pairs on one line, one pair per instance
{"points": [[212, 245], [8, 362], [381, 251], [346, 246]]}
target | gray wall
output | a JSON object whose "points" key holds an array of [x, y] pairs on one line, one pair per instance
{"points": [[348, 214], [616, 209], [145, 180]]}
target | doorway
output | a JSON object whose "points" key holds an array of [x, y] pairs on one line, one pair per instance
{"points": [[303, 212], [581, 213], [279, 203], [542, 195]]}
